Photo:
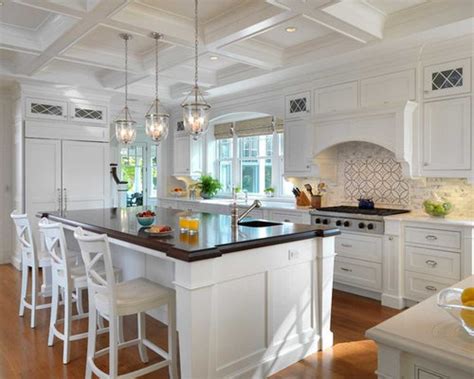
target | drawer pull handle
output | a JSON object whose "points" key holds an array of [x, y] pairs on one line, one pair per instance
{"points": [[430, 237], [345, 245], [286, 220], [431, 288], [431, 263], [346, 269]]}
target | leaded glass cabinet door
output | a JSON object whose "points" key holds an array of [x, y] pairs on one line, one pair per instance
{"points": [[87, 113], [446, 79], [298, 105], [46, 109]]}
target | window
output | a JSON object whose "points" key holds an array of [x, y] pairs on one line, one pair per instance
{"points": [[224, 163], [153, 171], [252, 163], [132, 169]]}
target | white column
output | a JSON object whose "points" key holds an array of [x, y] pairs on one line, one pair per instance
{"points": [[323, 289]]}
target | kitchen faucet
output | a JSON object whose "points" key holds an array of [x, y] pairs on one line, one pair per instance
{"points": [[234, 212]]}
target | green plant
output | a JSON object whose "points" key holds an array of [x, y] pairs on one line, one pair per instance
{"points": [[269, 190], [208, 185]]}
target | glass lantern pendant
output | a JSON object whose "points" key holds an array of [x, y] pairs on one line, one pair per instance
{"points": [[195, 107], [156, 119], [125, 127]]}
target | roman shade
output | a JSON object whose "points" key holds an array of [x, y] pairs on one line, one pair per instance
{"points": [[257, 126], [223, 131]]}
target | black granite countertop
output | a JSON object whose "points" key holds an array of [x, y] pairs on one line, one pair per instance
{"points": [[215, 236]]}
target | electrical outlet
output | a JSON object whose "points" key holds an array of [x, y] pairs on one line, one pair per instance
{"points": [[293, 254]]}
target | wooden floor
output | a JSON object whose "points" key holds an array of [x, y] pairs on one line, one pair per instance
{"points": [[24, 352]]}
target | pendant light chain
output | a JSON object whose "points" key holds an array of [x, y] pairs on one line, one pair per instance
{"points": [[126, 76], [156, 69], [196, 47]]}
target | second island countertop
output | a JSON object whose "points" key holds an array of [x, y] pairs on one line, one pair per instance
{"points": [[215, 237]]}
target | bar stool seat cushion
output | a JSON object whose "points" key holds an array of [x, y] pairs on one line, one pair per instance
{"points": [[134, 296]]}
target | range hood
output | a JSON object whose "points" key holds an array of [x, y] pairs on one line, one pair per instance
{"points": [[390, 126]]}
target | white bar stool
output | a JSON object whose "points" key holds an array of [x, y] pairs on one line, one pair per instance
{"points": [[112, 300], [67, 278], [29, 258]]}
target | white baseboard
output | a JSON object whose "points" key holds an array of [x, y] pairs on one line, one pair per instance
{"points": [[15, 260], [393, 301]]}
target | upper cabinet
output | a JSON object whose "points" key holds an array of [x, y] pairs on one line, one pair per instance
{"points": [[66, 111], [298, 105], [298, 149], [445, 79], [341, 97], [87, 113], [447, 140], [388, 89], [46, 109], [187, 156]]}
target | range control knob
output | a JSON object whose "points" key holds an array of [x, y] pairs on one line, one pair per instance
{"points": [[317, 221], [338, 223], [347, 224], [361, 225], [325, 221], [370, 226]]}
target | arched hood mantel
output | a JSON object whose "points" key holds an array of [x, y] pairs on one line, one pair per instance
{"points": [[389, 126]]}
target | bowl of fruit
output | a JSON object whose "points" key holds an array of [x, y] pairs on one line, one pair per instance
{"points": [[459, 303], [178, 192], [437, 207], [146, 218]]}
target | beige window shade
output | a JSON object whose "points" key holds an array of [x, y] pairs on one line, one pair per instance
{"points": [[223, 131], [254, 127], [279, 125]]}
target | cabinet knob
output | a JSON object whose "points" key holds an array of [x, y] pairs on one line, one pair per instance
{"points": [[431, 288], [431, 263], [430, 237], [425, 164], [390, 238]]}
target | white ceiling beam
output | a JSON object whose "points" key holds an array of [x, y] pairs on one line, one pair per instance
{"points": [[351, 27], [116, 79], [54, 7], [254, 53], [102, 11]]}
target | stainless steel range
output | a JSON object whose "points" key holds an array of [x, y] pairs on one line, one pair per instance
{"points": [[354, 219]]}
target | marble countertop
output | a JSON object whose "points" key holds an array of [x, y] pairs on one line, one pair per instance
{"points": [[420, 216], [438, 337], [215, 237]]}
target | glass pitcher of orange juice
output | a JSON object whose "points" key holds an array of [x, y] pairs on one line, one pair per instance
{"points": [[184, 224], [193, 225]]}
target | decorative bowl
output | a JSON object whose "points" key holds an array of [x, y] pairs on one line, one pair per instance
{"points": [[437, 208], [450, 300], [146, 218]]}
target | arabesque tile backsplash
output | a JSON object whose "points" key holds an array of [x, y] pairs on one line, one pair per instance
{"points": [[367, 170]]}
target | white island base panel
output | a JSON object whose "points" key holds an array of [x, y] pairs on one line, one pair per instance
{"points": [[245, 314]]}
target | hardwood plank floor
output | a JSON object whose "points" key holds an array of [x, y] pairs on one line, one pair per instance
{"points": [[24, 352]]}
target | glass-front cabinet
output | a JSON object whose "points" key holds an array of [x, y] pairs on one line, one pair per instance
{"points": [[448, 78]]}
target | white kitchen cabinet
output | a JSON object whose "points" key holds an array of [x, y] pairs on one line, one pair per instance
{"points": [[298, 148], [447, 137], [46, 109], [388, 89], [62, 175], [341, 97], [188, 156], [296, 217], [448, 78], [87, 113], [298, 105]]}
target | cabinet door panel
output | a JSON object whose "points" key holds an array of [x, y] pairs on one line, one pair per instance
{"points": [[447, 134], [388, 89], [85, 174], [446, 79], [298, 148], [46, 109], [42, 178], [297, 105], [181, 156], [341, 97]]}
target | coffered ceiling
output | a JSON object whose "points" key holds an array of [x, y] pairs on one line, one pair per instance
{"points": [[242, 42]]}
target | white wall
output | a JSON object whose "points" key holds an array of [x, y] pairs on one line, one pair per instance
{"points": [[6, 167]]}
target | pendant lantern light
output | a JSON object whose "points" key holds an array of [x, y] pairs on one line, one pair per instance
{"points": [[125, 127], [156, 119], [195, 107]]}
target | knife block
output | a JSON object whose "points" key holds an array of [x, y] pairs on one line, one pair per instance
{"points": [[302, 200]]}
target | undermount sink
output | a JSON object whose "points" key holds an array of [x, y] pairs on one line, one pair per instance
{"points": [[258, 223]]}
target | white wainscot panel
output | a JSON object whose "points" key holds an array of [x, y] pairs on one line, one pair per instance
{"points": [[240, 337], [291, 306]]}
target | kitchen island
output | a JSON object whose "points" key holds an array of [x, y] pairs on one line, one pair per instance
{"points": [[250, 300]]}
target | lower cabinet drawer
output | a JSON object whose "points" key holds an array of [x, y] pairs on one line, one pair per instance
{"points": [[439, 239], [367, 248], [419, 287], [433, 262], [296, 218], [358, 273]]}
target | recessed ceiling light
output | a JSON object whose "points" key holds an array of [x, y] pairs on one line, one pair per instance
{"points": [[214, 58], [291, 29], [1, 3]]}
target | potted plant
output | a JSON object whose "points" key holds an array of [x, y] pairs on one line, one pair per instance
{"points": [[209, 186], [270, 191]]}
